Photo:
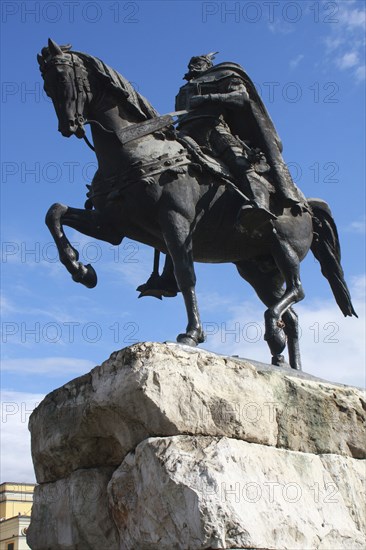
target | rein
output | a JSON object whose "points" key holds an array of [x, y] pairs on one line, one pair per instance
{"points": [[98, 124], [140, 129], [88, 143]]}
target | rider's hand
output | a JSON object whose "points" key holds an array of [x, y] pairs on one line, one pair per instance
{"points": [[196, 101]]}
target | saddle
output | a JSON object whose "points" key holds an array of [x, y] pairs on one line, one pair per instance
{"points": [[219, 169]]}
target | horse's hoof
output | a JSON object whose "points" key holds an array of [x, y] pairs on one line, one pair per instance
{"points": [[186, 340], [279, 361], [90, 280], [86, 276], [191, 338], [276, 341]]}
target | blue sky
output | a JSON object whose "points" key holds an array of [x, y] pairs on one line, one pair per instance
{"points": [[307, 61]]}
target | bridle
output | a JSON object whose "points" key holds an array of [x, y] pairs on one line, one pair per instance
{"points": [[82, 87]]}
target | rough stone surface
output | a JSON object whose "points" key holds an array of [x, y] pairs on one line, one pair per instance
{"points": [[188, 493], [163, 447], [151, 390], [73, 513]]}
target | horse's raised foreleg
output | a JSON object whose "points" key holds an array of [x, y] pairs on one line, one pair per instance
{"points": [[177, 236], [88, 222], [276, 316]]}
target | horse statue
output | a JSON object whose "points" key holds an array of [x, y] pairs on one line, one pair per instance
{"points": [[149, 188]]}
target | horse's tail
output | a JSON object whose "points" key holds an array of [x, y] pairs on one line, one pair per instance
{"points": [[326, 249]]}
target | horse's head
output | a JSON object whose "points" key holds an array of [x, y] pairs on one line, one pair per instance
{"points": [[66, 83]]}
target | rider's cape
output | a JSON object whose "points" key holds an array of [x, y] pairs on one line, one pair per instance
{"points": [[253, 124]]}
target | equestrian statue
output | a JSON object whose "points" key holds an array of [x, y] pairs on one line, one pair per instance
{"points": [[213, 189]]}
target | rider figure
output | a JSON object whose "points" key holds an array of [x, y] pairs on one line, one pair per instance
{"points": [[210, 96], [227, 117]]}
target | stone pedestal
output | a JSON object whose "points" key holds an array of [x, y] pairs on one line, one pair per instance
{"points": [[162, 447]]}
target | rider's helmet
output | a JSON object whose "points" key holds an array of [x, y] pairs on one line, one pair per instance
{"points": [[199, 64]]}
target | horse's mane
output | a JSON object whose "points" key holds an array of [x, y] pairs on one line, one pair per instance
{"points": [[137, 103]]}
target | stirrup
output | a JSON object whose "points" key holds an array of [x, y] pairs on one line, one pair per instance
{"points": [[156, 287]]}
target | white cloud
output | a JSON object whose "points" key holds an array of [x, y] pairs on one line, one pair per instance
{"points": [[295, 62], [348, 60], [82, 309], [358, 285], [134, 274], [358, 226], [49, 366], [333, 43], [353, 18], [279, 26], [6, 306], [211, 301], [16, 461], [332, 345], [360, 73], [345, 43], [134, 263]]}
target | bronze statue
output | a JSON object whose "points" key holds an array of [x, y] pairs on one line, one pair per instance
{"points": [[158, 187]]}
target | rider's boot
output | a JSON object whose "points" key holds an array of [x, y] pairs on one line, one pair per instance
{"points": [[254, 213]]}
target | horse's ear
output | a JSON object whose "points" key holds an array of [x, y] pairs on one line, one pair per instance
{"points": [[54, 48], [66, 47], [41, 62]]}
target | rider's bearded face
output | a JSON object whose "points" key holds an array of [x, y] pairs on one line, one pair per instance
{"points": [[196, 66]]}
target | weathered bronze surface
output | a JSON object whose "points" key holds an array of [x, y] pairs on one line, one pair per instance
{"points": [[216, 189]]}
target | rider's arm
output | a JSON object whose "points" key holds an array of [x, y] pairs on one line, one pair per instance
{"points": [[236, 95]]}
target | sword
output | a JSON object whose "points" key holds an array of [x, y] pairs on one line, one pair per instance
{"points": [[135, 131]]}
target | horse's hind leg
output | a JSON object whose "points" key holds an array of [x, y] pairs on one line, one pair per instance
{"points": [[88, 222], [268, 285], [275, 317]]}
